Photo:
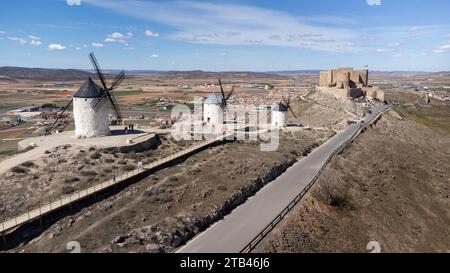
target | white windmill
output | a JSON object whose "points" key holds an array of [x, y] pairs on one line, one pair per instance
{"points": [[90, 110], [280, 111], [215, 106]]}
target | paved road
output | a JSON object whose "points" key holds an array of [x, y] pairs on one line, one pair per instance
{"points": [[237, 229]]}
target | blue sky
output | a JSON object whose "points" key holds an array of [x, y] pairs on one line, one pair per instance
{"points": [[259, 35]]}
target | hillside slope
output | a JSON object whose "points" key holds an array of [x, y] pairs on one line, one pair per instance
{"points": [[391, 186], [24, 73]]}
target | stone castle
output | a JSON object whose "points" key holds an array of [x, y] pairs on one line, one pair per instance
{"points": [[344, 77], [347, 83]]}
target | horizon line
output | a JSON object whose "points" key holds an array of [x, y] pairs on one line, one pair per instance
{"points": [[220, 71]]}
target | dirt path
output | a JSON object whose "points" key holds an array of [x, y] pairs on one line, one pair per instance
{"points": [[44, 143], [18, 159]]}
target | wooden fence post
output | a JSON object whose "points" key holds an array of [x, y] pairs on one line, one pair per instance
{"points": [[40, 214]]}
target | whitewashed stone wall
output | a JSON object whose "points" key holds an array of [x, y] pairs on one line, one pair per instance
{"points": [[90, 123]]}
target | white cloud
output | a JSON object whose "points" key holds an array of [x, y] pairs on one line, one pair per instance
{"points": [[398, 55], [18, 40], [423, 54], [443, 49], [234, 24], [2, 32], [97, 45], [394, 45], [73, 2], [56, 47], [77, 48], [118, 37], [383, 50], [35, 42], [374, 2], [155, 56], [151, 34]]}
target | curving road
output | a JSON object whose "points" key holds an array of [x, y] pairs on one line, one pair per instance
{"points": [[237, 229]]}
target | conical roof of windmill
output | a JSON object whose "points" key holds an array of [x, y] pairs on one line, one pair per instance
{"points": [[89, 89], [213, 99], [280, 107]]}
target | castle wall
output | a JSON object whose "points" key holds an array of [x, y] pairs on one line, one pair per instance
{"points": [[344, 77], [374, 93], [324, 78], [349, 83], [338, 93], [371, 93], [355, 93], [380, 95]]}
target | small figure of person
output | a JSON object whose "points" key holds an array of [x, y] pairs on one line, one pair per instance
{"points": [[126, 130], [140, 165]]}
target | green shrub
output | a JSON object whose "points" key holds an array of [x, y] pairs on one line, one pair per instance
{"points": [[27, 164], [88, 173], [67, 189], [128, 168], [71, 180], [132, 155], [173, 178], [96, 155], [18, 169], [109, 160]]}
